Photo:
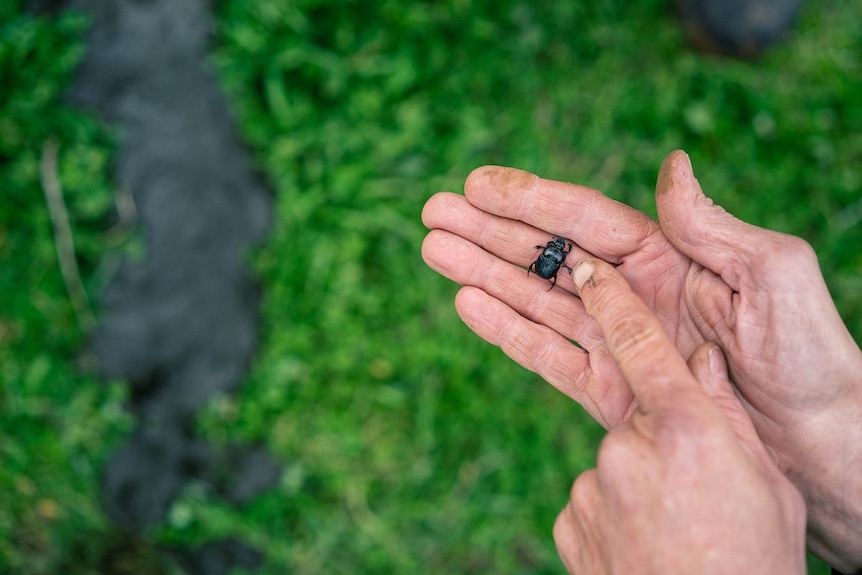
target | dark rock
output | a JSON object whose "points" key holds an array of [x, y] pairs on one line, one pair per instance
{"points": [[742, 28]]}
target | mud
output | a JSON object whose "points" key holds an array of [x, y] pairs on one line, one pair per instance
{"points": [[180, 324]]}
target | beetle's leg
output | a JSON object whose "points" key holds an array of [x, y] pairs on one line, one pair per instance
{"points": [[568, 268], [553, 281]]}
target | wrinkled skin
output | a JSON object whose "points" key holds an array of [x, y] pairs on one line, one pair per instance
{"points": [[684, 485], [708, 277]]}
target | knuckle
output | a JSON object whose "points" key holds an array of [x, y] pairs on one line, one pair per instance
{"points": [[562, 528], [617, 449], [799, 251], [584, 492], [623, 456], [785, 251], [584, 498], [631, 335], [681, 433]]}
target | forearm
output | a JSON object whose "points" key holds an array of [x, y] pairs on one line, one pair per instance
{"points": [[831, 483], [835, 528], [834, 503]]}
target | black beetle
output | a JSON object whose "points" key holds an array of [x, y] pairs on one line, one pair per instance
{"points": [[551, 259]]}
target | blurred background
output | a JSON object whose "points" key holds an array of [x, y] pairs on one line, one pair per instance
{"points": [[406, 444]]}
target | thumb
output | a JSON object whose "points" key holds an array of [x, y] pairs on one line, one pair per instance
{"points": [[709, 367], [704, 231]]}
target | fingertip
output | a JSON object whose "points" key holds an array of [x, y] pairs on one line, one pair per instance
{"points": [[427, 248], [479, 312], [438, 207], [480, 178], [634, 335], [709, 367], [428, 211], [589, 272], [718, 364], [467, 296], [698, 361], [583, 272], [441, 249], [497, 180], [675, 173], [695, 225]]}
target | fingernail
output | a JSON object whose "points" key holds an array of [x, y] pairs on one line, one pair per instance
{"points": [[687, 157], [717, 364], [583, 272]]}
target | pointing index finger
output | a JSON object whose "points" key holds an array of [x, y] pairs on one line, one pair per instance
{"points": [[647, 357]]}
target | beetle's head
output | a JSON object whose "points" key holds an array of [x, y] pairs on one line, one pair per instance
{"points": [[560, 243]]}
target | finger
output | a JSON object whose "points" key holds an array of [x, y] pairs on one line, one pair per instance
{"points": [[533, 346], [647, 357], [508, 308], [510, 240], [711, 236], [709, 367], [568, 540], [467, 264], [596, 223], [593, 380], [578, 530]]}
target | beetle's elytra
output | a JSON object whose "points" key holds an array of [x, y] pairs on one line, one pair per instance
{"points": [[552, 258]]}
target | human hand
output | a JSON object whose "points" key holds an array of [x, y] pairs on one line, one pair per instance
{"points": [[684, 485], [708, 277]]}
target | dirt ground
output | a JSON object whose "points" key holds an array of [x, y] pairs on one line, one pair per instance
{"points": [[179, 324]]}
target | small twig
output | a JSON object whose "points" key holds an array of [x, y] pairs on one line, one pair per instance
{"points": [[126, 209], [63, 240]]}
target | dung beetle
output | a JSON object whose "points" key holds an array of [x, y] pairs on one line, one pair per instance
{"points": [[551, 259]]}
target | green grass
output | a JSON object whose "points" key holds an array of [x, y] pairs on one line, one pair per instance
{"points": [[56, 423], [410, 445]]}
